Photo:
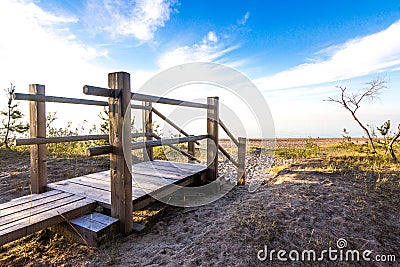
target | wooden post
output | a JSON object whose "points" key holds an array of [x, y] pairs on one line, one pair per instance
{"points": [[120, 140], [37, 114], [212, 140], [191, 151], [241, 170], [147, 120]]}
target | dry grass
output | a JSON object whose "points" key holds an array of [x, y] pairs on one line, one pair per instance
{"points": [[323, 192]]}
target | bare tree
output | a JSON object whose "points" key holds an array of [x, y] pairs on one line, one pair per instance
{"points": [[352, 101]]}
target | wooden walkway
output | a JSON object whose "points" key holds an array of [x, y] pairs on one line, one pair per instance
{"points": [[26, 215], [75, 197], [149, 178]]}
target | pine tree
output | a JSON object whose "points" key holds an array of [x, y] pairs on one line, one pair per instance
{"points": [[11, 123]]}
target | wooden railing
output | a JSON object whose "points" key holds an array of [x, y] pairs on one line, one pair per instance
{"points": [[119, 98]]}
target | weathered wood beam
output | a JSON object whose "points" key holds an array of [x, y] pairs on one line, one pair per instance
{"points": [[37, 115], [147, 124], [59, 139], [120, 139], [212, 141], [223, 126], [166, 142], [179, 129], [57, 99], [228, 156], [98, 91], [241, 171]]}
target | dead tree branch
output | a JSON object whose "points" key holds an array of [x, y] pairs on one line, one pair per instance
{"points": [[352, 101]]}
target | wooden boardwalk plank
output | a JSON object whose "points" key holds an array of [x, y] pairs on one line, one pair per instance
{"points": [[46, 219], [172, 167], [104, 185], [175, 174], [20, 207], [146, 181], [27, 199], [101, 196], [104, 175], [14, 219], [180, 165], [77, 196], [149, 178]]}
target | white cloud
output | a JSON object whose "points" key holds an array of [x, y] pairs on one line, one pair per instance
{"points": [[208, 50], [140, 18], [38, 47], [246, 16], [371, 54], [212, 37], [44, 18]]}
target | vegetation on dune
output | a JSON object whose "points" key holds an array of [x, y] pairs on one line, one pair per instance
{"points": [[374, 175], [352, 102], [12, 123]]}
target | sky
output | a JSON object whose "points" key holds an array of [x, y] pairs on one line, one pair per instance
{"points": [[295, 52]]}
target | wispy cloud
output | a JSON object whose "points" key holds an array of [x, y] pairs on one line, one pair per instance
{"points": [[370, 54], [243, 21], [208, 50], [140, 18], [44, 18]]}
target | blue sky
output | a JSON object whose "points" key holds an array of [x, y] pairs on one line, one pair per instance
{"points": [[294, 51]]}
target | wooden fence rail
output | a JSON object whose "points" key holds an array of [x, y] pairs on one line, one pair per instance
{"points": [[179, 129], [228, 133], [190, 154], [56, 99], [59, 139], [98, 91], [169, 141]]}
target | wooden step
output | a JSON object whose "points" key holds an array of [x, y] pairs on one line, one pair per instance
{"points": [[91, 229]]}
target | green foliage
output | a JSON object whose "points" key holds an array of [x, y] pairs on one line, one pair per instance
{"points": [[311, 144], [343, 156], [71, 148], [159, 153], [346, 142], [105, 121], [296, 153], [311, 150], [384, 128], [11, 123], [168, 153], [384, 131]]}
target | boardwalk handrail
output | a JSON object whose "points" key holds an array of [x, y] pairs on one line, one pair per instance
{"points": [[241, 145], [101, 150], [57, 99], [119, 104], [228, 132], [228, 156], [105, 92], [163, 117], [59, 139], [190, 156], [65, 139], [168, 141]]}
